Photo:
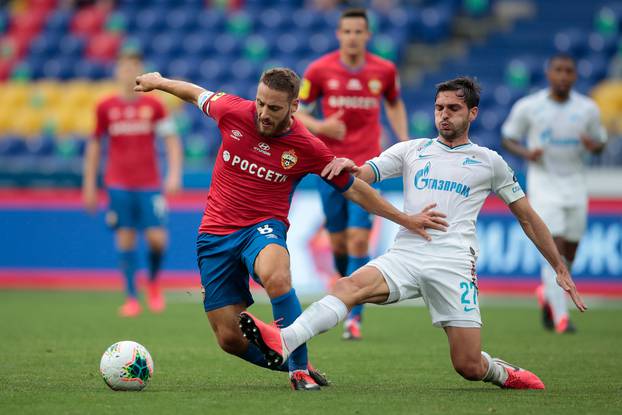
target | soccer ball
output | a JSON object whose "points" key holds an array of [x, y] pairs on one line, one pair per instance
{"points": [[126, 366]]}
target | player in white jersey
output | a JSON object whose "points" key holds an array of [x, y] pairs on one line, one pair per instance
{"points": [[456, 175], [560, 126]]}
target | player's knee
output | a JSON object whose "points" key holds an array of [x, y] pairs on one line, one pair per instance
{"points": [[358, 245], [470, 370], [347, 288], [231, 341], [277, 283]]}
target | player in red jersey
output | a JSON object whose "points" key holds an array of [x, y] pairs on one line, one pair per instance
{"points": [[264, 153], [351, 85], [131, 121]]}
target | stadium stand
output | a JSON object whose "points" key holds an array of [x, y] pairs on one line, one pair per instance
{"points": [[56, 61]]}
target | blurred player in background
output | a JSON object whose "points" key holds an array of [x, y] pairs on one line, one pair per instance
{"points": [[561, 126], [131, 122], [264, 153], [456, 175], [351, 84]]}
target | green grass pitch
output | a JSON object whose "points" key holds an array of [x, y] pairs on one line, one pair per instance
{"points": [[51, 344]]}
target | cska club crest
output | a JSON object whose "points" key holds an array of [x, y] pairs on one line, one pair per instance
{"points": [[375, 86], [289, 159]]}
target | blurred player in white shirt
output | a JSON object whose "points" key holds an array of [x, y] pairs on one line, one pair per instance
{"points": [[455, 176], [560, 126]]}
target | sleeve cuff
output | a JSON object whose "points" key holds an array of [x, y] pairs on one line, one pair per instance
{"points": [[375, 170]]}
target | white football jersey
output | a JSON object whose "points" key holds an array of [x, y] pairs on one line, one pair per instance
{"points": [[457, 179], [556, 128]]}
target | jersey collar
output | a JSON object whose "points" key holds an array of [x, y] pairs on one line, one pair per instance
{"points": [[446, 147]]}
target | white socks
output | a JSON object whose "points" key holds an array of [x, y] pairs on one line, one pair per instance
{"points": [[554, 294], [319, 317], [496, 373]]}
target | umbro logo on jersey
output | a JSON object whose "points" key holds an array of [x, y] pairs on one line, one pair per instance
{"points": [[236, 135], [470, 161], [354, 85]]}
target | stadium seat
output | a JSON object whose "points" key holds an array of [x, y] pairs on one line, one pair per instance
{"points": [[184, 68], [211, 21], [226, 44], [166, 44], [257, 47], [183, 19], [28, 23], [12, 146], [88, 21], [592, 68], [572, 42], [607, 45], [4, 20], [103, 46], [149, 19], [307, 20], [71, 46], [87, 69], [197, 45], [58, 21]]}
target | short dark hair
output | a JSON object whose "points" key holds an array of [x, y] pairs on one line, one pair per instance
{"points": [[561, 56], [357, 12], [282, 79], [469, 88]]}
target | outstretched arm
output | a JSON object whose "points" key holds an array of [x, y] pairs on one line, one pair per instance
{"points": [[181, 89], [370, 200], [539, 234], [337, 165]]}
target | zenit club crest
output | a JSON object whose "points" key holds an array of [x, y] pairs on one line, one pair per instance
{"points": [[289, 159], [375, 86]]}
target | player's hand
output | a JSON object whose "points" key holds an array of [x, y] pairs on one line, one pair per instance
{"points": [[333, 127], [337, 165], [427, 219], [590, 144], [89, 199], [172, 185], [535, 154], [147, 82], [564, 280]]}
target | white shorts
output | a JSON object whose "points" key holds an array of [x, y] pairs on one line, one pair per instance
{"points": [[447, 284], [566, 222]]}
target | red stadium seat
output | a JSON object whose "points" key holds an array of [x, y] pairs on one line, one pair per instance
{"points": [[103, 46], [88, 21], [6, 66]]}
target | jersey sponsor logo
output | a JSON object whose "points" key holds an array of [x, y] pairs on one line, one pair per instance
{"points": [[428, 143], [289, 159], [375, 86], [337, 101], [145, 112], [470, 162], [236, 135], [423, 182], [305, 89], [263, 148], [114, 113], [333, 84], [354, 85], [130, 127], [254, 168], [129, 112], [547, 138]]}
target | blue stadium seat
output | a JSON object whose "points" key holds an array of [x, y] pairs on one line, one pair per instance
{"points": [[292, 43], [434, 24], [150, 19], [197, 44], [71, 46], [182, 19], [304, 19], [226, 44], [12, 146], [186, 68], [34, 63], [244, 70], [606, 45], [592, 68], [58, 21], [572, 42], [4, 20], [59, 68], [211, 21], [214, 71], [166, 44], [275, 19], [320, 43], [42, 146], [45, 45], [88, 69]]}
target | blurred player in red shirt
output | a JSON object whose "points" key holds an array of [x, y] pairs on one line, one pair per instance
{"points": [[264, 154], [351, 84], [131, 122]]}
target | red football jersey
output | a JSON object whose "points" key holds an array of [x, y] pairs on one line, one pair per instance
{"points": [[359, 93], [254, 177], [130, 125]]}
